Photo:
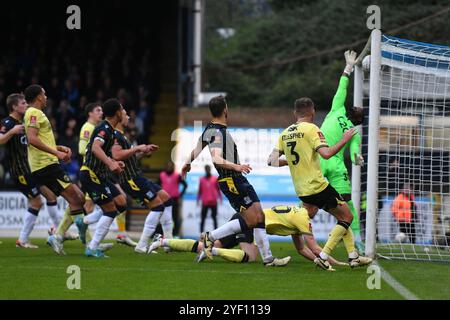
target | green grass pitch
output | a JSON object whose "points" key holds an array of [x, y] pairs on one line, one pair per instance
{"points": [[41, 274]]}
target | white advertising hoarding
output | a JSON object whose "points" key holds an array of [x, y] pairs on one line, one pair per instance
{"points": [[14, 204]]}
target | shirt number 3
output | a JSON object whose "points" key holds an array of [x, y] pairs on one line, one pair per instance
{"points": [[292, 144]]}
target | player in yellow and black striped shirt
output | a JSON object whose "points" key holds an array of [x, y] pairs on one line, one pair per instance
{"points": [[140, 188], [44, 156], [94, 175], [12, 134], [239, 192], [302, 143], [94, 114]]}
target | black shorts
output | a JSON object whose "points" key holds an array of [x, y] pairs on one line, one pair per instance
{"points": [[141, 189], [233, 240], [112, 177], [27, 186], [239, 192], [101, 192], [53, 177], [327, 199]]}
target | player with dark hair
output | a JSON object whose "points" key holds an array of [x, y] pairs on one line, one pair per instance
{"points": [[279, 220], [337, 121], [94, 175], [248, 251], [233, 184], [12, 134], [93, 110], [140, 188], [94, 115], [44, 156], [302, 143]]}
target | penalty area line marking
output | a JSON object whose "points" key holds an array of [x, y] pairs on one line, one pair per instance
{"points": [[397, 286]]}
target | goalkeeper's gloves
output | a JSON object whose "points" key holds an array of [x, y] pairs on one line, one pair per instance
{"points": [[359, 160], [350, 60]]}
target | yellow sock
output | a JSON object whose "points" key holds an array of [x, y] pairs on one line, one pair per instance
{"points": [[120, 219], [65, 223], [349, 241], [335, 236], [234, 255], [185, 245]]}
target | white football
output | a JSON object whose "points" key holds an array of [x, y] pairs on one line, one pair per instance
{"points": [[366, 63], [400, 237]]}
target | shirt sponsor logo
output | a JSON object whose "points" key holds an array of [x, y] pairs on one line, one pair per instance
{"points": [[86, 134], [33, 120]]}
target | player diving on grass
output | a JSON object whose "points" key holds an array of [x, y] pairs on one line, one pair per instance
{"points": [[279, 220], [337, 121], [232, 183], [13, 136], [302, 143], [140, 188]]}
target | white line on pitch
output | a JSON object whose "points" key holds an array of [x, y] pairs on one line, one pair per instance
{"points": [[397, 286]]}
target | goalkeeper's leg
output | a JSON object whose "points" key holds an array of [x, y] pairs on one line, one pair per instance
{"points": [[355, 226]]}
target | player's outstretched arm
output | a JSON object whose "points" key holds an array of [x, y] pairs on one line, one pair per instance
{"points": [[5, 136], [194, 154], [341, 93], [218, 160], [301, 248], [350, 61], [120, 154], [316, 249], [274, 159], [98, 152], [33, 139], [328, 152]]}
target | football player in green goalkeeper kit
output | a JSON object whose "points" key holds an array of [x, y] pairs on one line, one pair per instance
{"points": [[337, 121]]}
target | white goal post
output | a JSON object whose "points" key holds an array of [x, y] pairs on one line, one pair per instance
{"points": [[404, 86]]}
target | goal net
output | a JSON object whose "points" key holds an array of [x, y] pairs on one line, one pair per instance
{"points": [[406, 88]]}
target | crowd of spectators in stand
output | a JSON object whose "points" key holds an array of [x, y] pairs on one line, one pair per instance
{"points": [[75, 71]]}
